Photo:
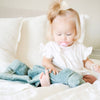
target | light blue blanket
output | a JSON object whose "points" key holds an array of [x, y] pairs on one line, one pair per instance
{"points": [[18, 71]]}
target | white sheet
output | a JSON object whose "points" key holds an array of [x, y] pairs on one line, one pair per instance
{"points": [[19, 91], [83, 92]]}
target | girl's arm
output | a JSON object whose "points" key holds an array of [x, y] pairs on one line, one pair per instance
{"points": [[89, 64], [47, 63]]}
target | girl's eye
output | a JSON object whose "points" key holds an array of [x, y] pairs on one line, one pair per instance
{"points": [[59, 34], [68, 34]]}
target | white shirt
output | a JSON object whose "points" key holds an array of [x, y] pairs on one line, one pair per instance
{"points": [[67, 57]]}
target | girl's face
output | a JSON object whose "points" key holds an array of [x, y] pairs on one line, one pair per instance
{"points": [[63, 30]]}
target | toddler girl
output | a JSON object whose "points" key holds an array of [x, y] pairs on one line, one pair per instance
{"points": [[64, 50]]}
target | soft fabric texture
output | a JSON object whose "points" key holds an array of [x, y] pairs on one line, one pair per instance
{"points": [[83, 19], [10, 90], [18, 71], [66, 57], [10, 33], [34, 31], [32, 34], [5, 59], [10, 29]]}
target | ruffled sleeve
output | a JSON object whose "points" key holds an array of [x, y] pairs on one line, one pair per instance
{"points": [[86, 51], [46, 50]]}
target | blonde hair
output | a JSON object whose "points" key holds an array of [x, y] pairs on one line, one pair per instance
{"points": [[55, 10]]}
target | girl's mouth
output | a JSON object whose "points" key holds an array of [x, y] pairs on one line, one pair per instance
{"points": [[65, 43]]}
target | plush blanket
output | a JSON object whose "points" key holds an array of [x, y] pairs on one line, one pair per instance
{"points": [[18, 71]]}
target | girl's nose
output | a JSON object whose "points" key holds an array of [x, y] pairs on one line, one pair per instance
{"points": [[64, 37]]}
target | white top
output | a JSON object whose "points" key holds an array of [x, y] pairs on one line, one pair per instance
{"points": [[67, 57]]}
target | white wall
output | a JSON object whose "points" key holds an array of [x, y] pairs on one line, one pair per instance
{"points": [[89, 7]]}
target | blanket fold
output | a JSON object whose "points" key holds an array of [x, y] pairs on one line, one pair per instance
{"points": [[18, 71]]}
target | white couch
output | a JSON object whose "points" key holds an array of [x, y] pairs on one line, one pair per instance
{"points": [[20, 38]]}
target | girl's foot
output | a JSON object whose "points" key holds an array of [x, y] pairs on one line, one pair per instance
{"points": [[89, 78], [45, 79]]}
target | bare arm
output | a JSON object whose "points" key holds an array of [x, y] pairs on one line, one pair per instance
{"points": [[89, 64], [47, 63]]}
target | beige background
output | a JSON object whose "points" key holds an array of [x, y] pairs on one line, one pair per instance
{"points": [[29, 8]]}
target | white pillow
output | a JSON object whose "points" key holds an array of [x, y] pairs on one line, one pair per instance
{"points": [[83, 19], [9, 36], [9, 33], [5, 59], [33, 33]]}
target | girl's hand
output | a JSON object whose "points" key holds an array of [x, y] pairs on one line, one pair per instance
{"points": [[97, 68], [91, 65], [47, 63], [55, 71]]}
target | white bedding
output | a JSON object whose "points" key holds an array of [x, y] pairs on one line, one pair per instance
{"points": [[30, 29], [19, 91]]}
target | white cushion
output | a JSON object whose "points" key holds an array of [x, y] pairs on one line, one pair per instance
{"points": [[9, 33], [9, 36], [34, 31], [5, 59], [83, 19]]}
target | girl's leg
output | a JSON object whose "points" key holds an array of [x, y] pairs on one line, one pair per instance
{"points": [[45, 79]]}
